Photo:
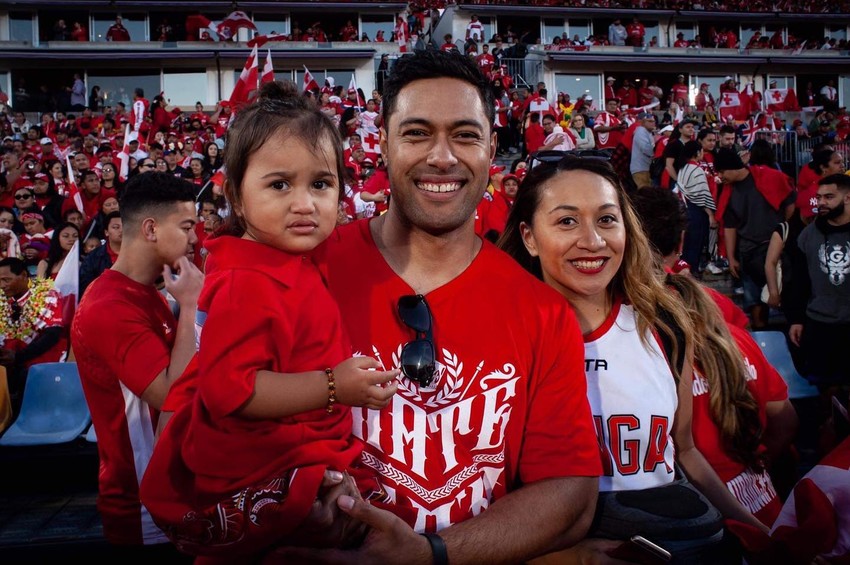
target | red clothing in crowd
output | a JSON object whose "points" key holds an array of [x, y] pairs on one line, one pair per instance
{"points": [[123, 333], [515, 393], [266, 310], [753, 489], [117, 32], [91, 204], [534, 137]]}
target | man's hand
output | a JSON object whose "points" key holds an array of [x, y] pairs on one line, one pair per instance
{"points": [[795, 333], [187, 286], [734, 267], [390, 540], [325, 525]]}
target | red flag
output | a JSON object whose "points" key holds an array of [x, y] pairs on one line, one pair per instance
{"points": [[401, 34], [124, 156], [730, 105], [73, 189], [310, 83], [218, 178], [371, 144], [268, 69], [227, 28], [247, 82], [781, 100], [194, 25]]}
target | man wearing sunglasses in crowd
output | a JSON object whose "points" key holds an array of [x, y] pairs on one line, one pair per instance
{"points": [[488, 448]]}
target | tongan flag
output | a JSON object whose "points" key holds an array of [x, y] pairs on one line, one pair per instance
{"points": [[67, 281], [124, 156], [401, 34], [730, 105], [227, 28], [310, 83], [195, 24], [247, 83], [268, 69], [781, 100], [73, 189]]}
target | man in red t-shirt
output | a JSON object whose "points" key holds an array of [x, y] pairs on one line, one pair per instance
{"points": [[492, 406], [608, 127], [130, 349]]}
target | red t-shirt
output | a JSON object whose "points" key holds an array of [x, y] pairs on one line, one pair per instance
{"points": [[508, 405], [123, 333], [732, 313], [266, 310], [807, 200], [753, 489]]}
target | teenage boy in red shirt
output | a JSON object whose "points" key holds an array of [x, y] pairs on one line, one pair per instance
{"points": [[130, 349]]}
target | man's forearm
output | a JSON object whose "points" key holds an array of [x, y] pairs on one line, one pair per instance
{"points": [[536, 519], [184, 344]]}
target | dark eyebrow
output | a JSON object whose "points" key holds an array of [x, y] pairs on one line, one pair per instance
{"points": [[454, 125], [575, 208]]}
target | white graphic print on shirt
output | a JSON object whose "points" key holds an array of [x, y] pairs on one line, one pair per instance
{"points": [[835, 262], [445, 450]]}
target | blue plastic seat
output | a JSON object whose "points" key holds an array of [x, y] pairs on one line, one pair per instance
{"points": [[54, 408], [776, 351]]}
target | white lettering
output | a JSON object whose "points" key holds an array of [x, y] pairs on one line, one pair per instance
{"points": [[414, 438]]}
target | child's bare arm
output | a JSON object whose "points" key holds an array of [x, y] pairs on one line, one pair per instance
{"points": [[277, 395]]}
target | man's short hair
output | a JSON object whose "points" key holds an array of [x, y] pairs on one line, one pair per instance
{"points": [[663, 217], [839, 180], [87, 173], [727, 129], [430, 64], [727, 160], [17, 266], [153, 194]]}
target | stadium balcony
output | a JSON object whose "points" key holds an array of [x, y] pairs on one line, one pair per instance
{"points": [[188, 71]]}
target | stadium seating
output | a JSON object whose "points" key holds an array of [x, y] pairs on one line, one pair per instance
{"points": [[776, 351], [54, 408]]}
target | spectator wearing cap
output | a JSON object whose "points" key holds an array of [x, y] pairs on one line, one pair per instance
{"points": [[610, 92], [683, 133], [47, 199], [643, 148], [48, 152], [679, 91], [755, 207], [173, 155], [134, 146]]}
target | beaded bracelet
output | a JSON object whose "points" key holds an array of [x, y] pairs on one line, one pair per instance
{"points": [[331, 390]]}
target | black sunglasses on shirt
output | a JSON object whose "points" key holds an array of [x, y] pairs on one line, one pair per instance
{"points": [[418, 359]]}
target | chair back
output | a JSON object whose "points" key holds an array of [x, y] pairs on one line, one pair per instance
{"points": [[775, 349], [54, 408]]}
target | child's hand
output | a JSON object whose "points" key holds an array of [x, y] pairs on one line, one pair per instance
{"points": [[356, 385]]}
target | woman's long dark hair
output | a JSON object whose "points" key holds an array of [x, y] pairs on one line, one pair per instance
{"points": [[55, 253], [692, 148]]}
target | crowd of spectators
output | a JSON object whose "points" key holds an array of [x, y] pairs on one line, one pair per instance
{"points": [[39, 221], [760, 6]]}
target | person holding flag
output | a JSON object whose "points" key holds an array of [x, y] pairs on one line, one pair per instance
{"points": [[309, 83]]}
